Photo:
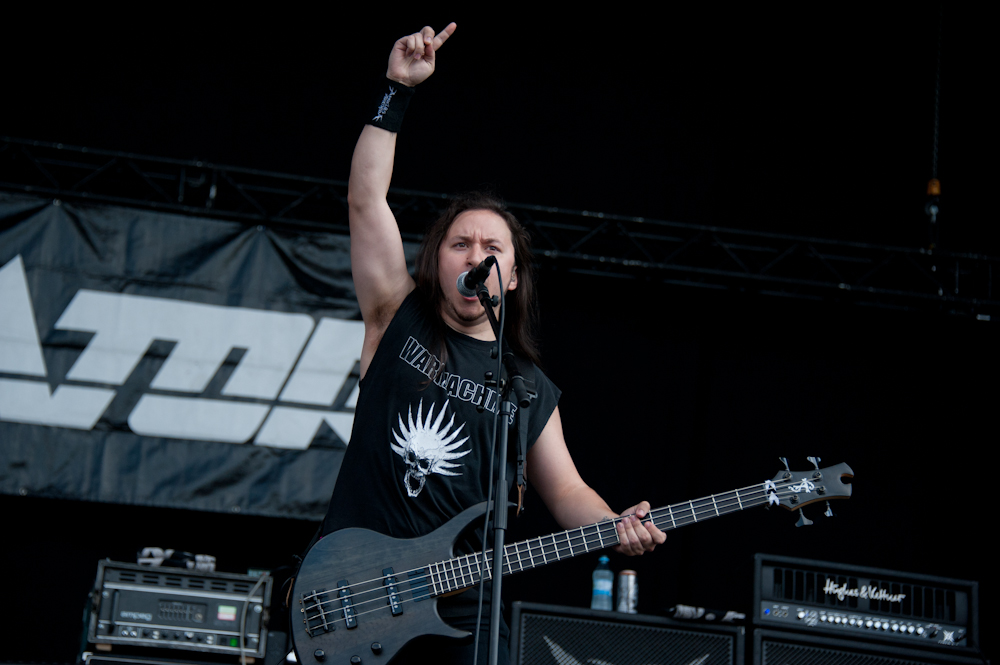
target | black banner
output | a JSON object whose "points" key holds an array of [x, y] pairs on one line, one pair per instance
{"points": [[173, 361]]}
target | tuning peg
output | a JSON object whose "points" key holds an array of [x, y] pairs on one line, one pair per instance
{"points": [[803, 520], [829, 510], [788, 471], [815, 461]]}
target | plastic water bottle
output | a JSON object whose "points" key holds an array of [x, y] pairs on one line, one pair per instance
{"points": [[604, 581]]}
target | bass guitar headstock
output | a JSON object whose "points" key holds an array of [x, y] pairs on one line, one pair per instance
{"points": [[795, 489]]}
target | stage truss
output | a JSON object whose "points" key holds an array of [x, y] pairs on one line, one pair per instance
{"points": [[656, 251]]}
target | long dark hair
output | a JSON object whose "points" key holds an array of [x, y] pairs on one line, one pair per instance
{"points": [[520, 323]]}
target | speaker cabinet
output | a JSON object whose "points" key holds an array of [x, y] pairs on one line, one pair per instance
{"points": [[554, 635], [772, 647]]}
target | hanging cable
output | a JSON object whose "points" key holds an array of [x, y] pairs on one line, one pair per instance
{"points": [[933, 205]]}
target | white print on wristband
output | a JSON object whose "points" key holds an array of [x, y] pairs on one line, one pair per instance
{"points": [[383, 108]]}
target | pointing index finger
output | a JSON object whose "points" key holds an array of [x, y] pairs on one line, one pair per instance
{"points": [[443, 36]]}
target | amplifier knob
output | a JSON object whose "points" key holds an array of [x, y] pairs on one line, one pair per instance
{"points": [[801, 614], [909, 629], [920, 630], [895, 627], [869, 623], [885, 625], [878, 624]]}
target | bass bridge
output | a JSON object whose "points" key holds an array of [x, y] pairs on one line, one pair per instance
{"points": [[317, 612]]}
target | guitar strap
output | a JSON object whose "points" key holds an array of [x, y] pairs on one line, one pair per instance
{"points": [[522, 446], [527, 370]]}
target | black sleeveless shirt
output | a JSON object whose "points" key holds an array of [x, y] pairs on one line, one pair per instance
{"points": [[419, 450]]}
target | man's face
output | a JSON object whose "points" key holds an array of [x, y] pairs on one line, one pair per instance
{"points": [[474, 235]]}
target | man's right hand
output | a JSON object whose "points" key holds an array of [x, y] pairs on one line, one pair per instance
{"points": [[413, 57]]}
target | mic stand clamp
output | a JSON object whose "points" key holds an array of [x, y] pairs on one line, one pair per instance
{"points": [[484, 296]]}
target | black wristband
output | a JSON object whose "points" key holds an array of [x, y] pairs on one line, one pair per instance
{"points": [[392, 100]]}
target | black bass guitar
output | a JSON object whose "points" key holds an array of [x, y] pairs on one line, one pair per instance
{"points": [[360, 596]]}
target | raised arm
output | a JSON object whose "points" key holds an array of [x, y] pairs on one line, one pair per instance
{"points": [[377, 260], [551, 471]]}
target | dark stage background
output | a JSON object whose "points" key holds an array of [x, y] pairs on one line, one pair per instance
{"points": [[816, 122]]}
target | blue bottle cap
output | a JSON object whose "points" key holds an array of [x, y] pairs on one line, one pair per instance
{"points": [[604, 559]]}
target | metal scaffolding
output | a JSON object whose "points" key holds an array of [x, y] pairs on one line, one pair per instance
{"points": [[613, 245]]}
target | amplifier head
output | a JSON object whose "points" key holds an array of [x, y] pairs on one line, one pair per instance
{"points": [[873, 604], [553, 635], [169, 608]]}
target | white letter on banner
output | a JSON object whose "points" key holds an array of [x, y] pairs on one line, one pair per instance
{"points": [[324, 367], [326, 362], [68, 406], [194, 418], [21, 353], [125, 326], [288, 427], [20, 349]]}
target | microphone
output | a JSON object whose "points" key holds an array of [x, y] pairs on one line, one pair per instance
{"points": [[468, 280]]}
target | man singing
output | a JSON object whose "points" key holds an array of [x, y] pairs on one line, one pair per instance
{"points": [[419, 452]]}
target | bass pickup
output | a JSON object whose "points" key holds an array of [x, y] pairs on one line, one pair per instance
{"points": [[347, 604], [391, 592]]}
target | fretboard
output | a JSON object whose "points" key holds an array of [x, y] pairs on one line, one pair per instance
{"points": [[465, 571]]}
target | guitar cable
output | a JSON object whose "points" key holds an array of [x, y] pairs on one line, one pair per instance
{"points": [[243, 618]]}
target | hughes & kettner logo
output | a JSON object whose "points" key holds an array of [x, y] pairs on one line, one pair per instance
{"points": [[842, 591], [136, 616], [292, 373]]}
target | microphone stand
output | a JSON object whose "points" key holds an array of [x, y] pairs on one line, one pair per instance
{"points": [[515, 381]]}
